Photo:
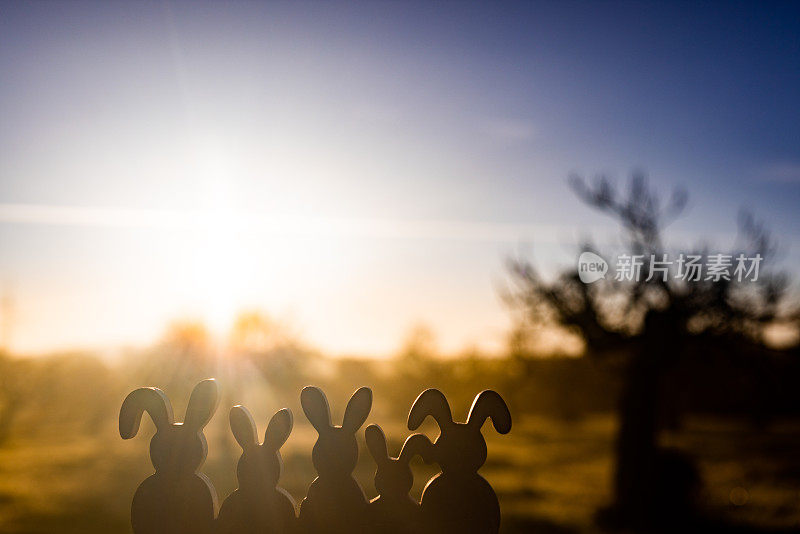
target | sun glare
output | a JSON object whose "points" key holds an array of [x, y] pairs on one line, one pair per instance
{"points": [[239, 255], [219, 254]]}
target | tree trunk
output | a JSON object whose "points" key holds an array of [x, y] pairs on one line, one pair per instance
{"points": [[635, 484], [636, 440]]}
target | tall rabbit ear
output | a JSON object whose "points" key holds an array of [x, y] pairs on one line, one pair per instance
{"points": [[151, 400], [417, 444], [490, 404], [430, 402], [278, 429], [357, 409], [376, 443], [243, 427], [202, 404], [315, 406]]}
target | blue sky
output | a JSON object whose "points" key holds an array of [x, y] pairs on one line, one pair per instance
{"points": [[392, 154]]}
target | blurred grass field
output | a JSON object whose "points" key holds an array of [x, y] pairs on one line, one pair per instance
{"points": [[550, 475]]}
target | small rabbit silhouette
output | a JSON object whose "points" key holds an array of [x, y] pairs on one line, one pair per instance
{"points": [[176, 499], [458, 499], [335, 503], [258, 505], [393, 511]]}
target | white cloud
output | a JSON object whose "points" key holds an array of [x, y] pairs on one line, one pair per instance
{"points": [[785, 172], [113, 217]]}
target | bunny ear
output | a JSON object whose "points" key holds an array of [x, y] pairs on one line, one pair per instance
{"points": [[490, 404], [243, 427], [430, 402], [151, 400], [278, 429], [357, 409], [376, 443], [315, 406], [417, 444], [202, 404]]}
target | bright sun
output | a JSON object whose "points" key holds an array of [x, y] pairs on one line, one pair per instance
{"points": [[219, 256]]}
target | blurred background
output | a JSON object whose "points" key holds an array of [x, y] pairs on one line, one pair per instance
{"points": [[395, 195]]}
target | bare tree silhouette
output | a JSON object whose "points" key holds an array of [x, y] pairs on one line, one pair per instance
{"points": [[646, 327]]}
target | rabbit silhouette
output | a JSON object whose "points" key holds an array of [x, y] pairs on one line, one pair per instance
{"points": [[335, 503], [176, 499], [393, 511], [458, 499], [258, 505]]}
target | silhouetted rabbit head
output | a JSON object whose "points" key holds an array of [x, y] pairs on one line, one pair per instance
{"points": [[394, 476], [260, 463], [179, 448], [336, 451], [460, 447]]}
